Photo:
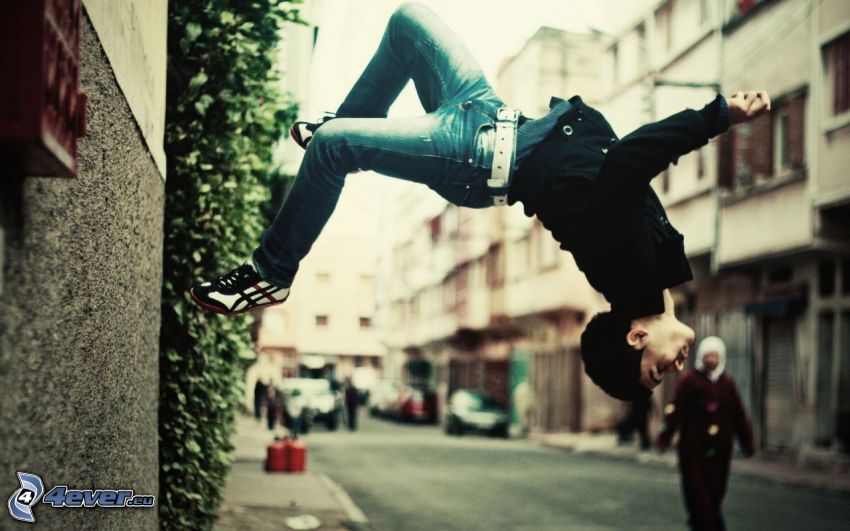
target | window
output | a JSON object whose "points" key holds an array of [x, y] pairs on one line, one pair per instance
{"points": [[323, 278], [838, 70], [365, 322], [450, 292], [435, 226], [700, 164], [321, 321], [769, 145], [495, 266], [826, 278], [780, 144]]}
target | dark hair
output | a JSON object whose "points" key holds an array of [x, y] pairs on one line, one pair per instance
{"points": [[609, 360]]}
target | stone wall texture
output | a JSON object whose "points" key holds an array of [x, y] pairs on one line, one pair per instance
{"points": [[80, 316]]}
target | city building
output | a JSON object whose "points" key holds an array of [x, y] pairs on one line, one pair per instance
{"points": [[764, 208], [327, 326]]}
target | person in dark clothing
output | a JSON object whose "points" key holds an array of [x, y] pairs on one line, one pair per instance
{"points": [[637, 419], [568, 168], [259, 396], [272, 406], [352, 401], [707, 411]]}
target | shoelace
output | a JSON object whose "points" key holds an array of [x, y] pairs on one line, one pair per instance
{"points": [[229, 280]]}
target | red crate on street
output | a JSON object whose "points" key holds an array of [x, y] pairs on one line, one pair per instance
{"points": [[276, 457], [42, 111], [296, 456]]}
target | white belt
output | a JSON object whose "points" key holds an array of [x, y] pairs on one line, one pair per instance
{"points": [[504, 150]]}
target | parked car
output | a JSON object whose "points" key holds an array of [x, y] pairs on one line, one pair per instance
{"points": [[416, 404], [473, 411], [383, 398], [321, 403]]}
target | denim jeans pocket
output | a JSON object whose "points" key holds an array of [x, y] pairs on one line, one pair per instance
{"points": [[482, 154]]}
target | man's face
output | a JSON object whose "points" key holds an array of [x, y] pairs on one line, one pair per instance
{"points": [[665, 341]]}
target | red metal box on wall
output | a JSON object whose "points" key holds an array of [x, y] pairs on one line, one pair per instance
{"points": [[42, 111]]}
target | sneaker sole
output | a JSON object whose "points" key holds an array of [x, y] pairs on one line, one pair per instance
{"points": [[296, 136], [216, 309]]}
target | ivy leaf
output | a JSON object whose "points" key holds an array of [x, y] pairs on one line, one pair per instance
{"points": [[193, 30], [198, 80], [203, 104]]}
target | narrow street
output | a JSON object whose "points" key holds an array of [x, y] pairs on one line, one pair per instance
{"points": [[416, 477]]}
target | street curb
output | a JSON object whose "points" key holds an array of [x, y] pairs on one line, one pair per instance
{"points": [[352, 511]]}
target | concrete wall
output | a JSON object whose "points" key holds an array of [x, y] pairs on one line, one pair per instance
{"points": [[80, 317], [134, 35], [764, 224]]}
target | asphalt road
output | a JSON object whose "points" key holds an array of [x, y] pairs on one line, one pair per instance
{"points": [[417, 478]]}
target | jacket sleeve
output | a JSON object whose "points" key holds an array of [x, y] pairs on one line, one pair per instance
{"points": [[673, 413], [743, 428], [634, 160]]}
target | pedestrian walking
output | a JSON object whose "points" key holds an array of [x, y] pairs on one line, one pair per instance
{"points": [[589, 188], [707, 411], [352, 401], [259, 397], [273, 408]]}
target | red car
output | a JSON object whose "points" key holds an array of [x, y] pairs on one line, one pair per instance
{"points": [[417, 404]]}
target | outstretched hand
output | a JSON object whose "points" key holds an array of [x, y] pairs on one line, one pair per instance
{"points": [[746, 105]]}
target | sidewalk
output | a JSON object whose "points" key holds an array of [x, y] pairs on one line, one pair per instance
{"points": [[257, 500], [778, 472]]}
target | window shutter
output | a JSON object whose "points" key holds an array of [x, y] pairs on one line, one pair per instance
{"points": [[724, 159], [796, 130], [742, 169], [761, 146]]}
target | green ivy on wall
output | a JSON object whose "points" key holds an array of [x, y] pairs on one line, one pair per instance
{"points": [[224, 116]]}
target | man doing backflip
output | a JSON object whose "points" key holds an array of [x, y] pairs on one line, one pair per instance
{"points": [[589, 188]]}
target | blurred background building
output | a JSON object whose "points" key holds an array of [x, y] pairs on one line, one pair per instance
{"points": [[327, 327]]}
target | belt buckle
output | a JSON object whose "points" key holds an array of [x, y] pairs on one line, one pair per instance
{"points": [[507, 114]]}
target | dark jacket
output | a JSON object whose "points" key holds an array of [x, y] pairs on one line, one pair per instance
{"points": [[591, 190]]}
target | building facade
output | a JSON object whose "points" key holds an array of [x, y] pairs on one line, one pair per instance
{"points": [[82, 277], [330, 315], [764, 206]]}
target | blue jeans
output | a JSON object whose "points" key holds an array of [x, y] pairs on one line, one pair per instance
{"points": [[449, 149]]}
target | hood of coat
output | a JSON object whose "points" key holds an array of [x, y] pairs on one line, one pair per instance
{"points": [[706, 346]]}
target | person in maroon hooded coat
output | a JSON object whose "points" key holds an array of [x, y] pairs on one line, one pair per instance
{"points": [[707, 410]]}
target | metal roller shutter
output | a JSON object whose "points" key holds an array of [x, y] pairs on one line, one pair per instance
{"points": [[779, 404]]}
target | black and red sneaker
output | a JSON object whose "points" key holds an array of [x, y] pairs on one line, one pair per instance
{"points": [[242, 290], [297, 131]]}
